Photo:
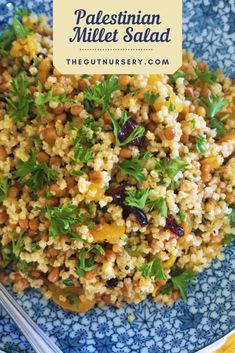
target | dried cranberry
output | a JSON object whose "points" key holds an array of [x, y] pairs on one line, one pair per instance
{"points": [[112, 282], [138, 213], [138, 141], [174, 226], [126, 129], [117, 193]]}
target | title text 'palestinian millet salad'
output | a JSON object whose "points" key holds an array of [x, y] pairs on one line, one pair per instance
{"points": [[111, 187]]}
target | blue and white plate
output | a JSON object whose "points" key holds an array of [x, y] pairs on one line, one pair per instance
{"points": [[209, 29]]}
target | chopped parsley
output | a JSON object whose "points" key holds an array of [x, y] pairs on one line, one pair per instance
{"points": [[153, 269], [170, 167], [205, 76], [117, 126], [232, 214], [176, 75], [62, 218], [134, 168], [200, 146], [151, 98], [180, 281], [101, 93], [4, 187], [158, 205], [15, 31], [68, 282], [17, 244], [20, 99], [172, 107], [34, 174], [213, 104], [84, 141], [219, 126], [23, 266], [131, 251], [45, 97], [181, 215], [228, 238], [137, 198], [85, 263], [72, 298], [35, 246]]}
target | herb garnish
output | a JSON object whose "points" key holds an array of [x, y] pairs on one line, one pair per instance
{"points": [[171, 107], [200, 146], [170, 167], [219, 126], [137, 132], [228, 238], [180, 281], [131, 251], [88, 264], [136, 198], [213, 104], [72, 298], [34, 174], [181, 215], [45, 97], [68, 282], [17, 244], [232, 214], [20, 99], [134, 168], [4, 187], [158, 205], [153, 269], [150, 98], [101, 93], [205, 76], [62, 218], [84, 141], [16, 31], [176, 75]]}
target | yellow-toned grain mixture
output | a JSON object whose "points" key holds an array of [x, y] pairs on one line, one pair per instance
{"points": [[112, 188]]}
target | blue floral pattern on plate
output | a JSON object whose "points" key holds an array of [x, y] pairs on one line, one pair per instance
{"points": [[208, 31]]}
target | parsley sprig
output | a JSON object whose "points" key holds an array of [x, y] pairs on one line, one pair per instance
{"points": [[72, 298], [232, 214], [62, 218], [200, 146], [219, 126], [20, 99], [101, 93], [158, 205], [15, 31], [4, 187], [137, 198], [46, 97], [85, 263], [134, 168], [117, 126], [176, 75], [181, 282], [228, 238], [205, 76], [151, 98], [34, 174], [213, 104], [153, 269], [84, 140], [170, 167], [129, 249]]}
